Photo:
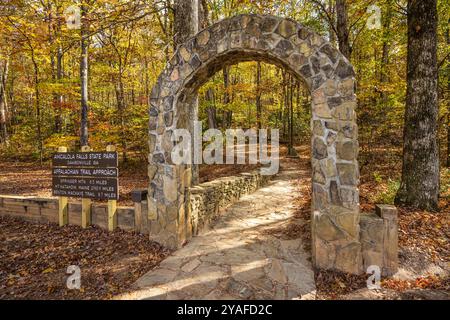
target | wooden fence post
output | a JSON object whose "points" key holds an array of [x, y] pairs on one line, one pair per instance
{"points": [[63, 208], [112, 204], [85, 203]]}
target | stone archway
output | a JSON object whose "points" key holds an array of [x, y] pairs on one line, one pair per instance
{"points": [[330, 79]]}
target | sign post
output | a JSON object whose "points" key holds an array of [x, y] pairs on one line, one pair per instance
{"points": [[85, 202], [63, 207], [112, 204]]}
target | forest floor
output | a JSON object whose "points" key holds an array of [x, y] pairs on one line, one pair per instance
{"points": [[35, 258]]}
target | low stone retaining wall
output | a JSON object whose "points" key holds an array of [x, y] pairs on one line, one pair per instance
{"points": [[46, 210], [209, 198], [379, 239]]}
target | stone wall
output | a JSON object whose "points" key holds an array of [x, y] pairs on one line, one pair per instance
{"points": [[206, 202], [46, 210], [379, 239], [378, 230], [207, 199]]}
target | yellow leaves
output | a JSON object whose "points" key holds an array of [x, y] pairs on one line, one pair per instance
{"points": [[48, 270], [57, 140], [11, 279], [341, 284]]}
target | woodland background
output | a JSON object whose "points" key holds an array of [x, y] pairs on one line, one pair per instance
{"points": [[122, 46]]}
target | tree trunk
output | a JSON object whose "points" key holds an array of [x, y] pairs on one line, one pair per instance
{"points": [[185, 22], [84, 44], [37, 103], [285, 118], [226, 96], [211, 109], [59, 75], [59, 98], [386, 43], [120, 96], [4, 68], [298, 100], [332, 22], [189, 15], [448, 97], [258, 95], [291, 117], [342, 28], [420, 173]]}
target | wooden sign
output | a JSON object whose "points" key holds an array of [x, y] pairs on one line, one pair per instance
{"points": [[85, 159], [86, 187], [86, 172], [87, 175]]}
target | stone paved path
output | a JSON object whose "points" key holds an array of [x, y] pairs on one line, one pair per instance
{"points": [[239, 257]]}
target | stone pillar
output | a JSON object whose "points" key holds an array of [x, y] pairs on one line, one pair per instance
{"points": [[168, 205], [335, 196]]}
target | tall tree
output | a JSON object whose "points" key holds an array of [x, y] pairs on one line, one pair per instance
{"points": [[387, 18], [420, 172], [120, 39], [331, 22], [448, 106], [227, 115], [258, 95], [291, 150], [189, 18], [211, 109], [4, 69], [84, 58], [54, 31], [342, 29]]}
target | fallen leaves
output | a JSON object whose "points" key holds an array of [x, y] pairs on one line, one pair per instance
{"points": [[428, 282], [334, 284], [48, 270], [427, 232], [35, 257]]}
